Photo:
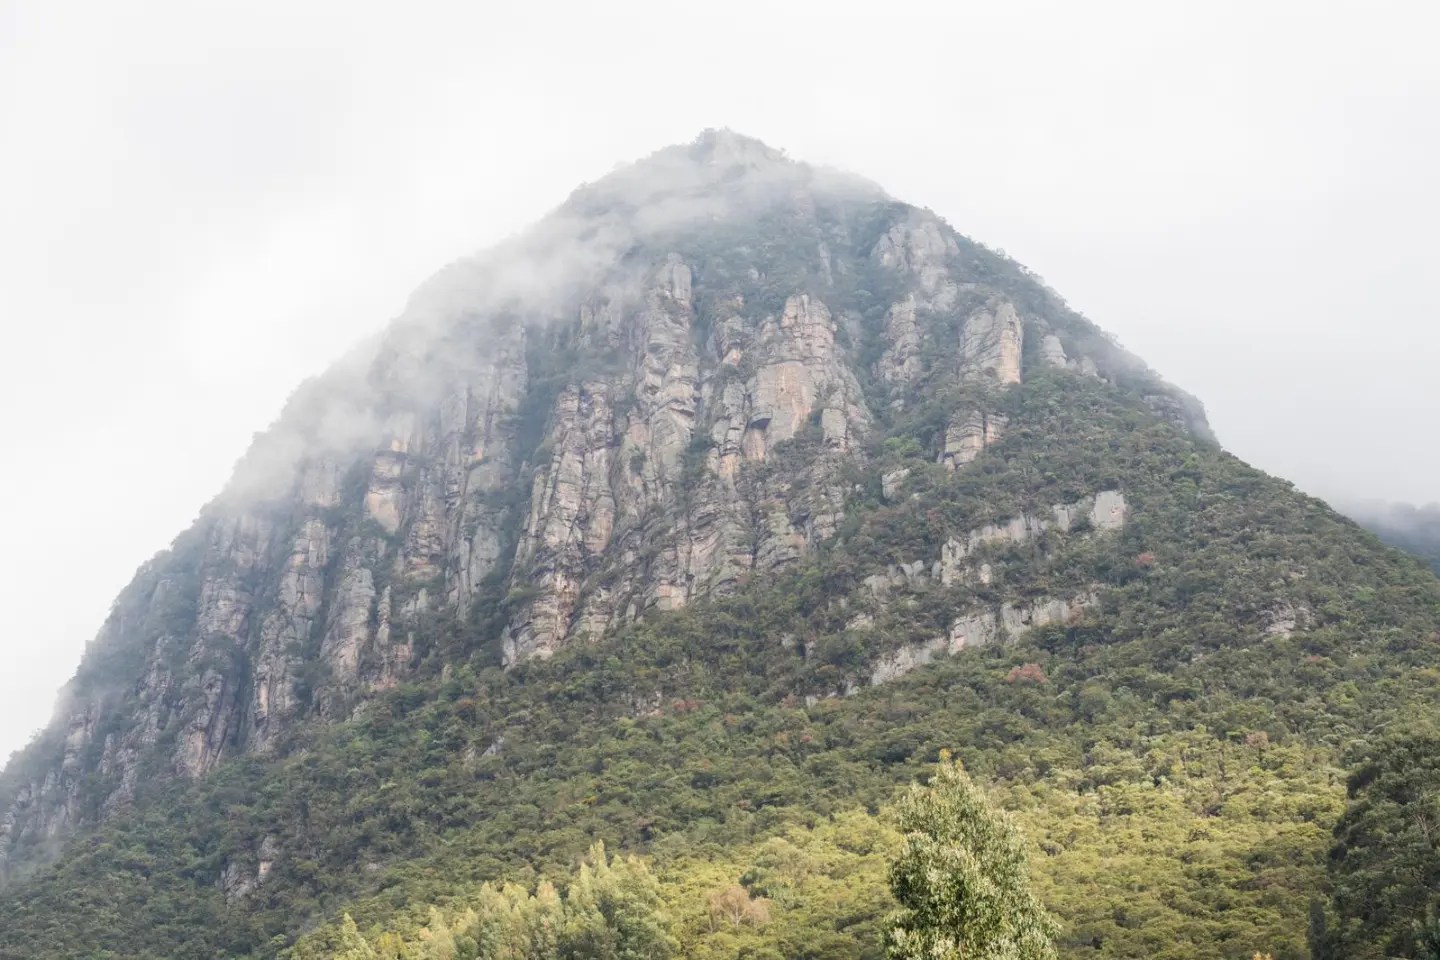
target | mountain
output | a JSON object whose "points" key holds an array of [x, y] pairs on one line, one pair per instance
{"points": [[697, 519], [1403, 525]]}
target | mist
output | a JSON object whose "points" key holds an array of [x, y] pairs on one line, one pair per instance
{"points": [[578, 253], [201, 208]]}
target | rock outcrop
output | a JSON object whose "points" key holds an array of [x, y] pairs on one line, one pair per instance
{"points": [[901, 362], [630, 454], [1052, 351], [992, 342], [920, 247], [978, 628], [1103, 512], [968, 435]]}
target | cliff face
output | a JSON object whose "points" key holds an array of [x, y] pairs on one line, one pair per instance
{"points": [[658, 392]]}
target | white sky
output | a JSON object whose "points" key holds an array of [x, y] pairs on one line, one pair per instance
{"points": [[203, 202]]}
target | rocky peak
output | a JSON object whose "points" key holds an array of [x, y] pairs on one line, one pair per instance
{"points": [[727, 149], [662, 388]]}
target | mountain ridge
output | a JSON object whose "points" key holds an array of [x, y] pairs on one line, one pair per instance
{"points": [[711, 372], [566, 262], [1409, 527]]}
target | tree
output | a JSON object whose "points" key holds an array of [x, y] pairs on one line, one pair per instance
{"points": [[1427, 937], [352, 945], [613, 911], [733, 906], [962, 879], [1317, 934], [438, 938], [509, 923], [1385, 864]]}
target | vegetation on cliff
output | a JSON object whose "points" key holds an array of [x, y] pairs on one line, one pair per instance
{"points": [[708, 573], [1177, 762]]}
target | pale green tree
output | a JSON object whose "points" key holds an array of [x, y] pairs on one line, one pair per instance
{"points": [[351, 945], [510, 923], [614, 912], [438, 938], [962, 879]]}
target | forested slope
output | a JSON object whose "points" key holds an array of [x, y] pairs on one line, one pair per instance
{"points": [[697, 522], [1174, 756]]}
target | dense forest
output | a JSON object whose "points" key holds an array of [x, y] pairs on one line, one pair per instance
{"points": [[959, 880], [1179, 765]]}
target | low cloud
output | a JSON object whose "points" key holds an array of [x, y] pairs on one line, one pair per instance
{"points": [[539, 276]]}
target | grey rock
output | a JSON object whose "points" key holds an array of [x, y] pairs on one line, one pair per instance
{"points": [[891, 480], [968, 435], [991, 343], [978, 628], [1052, 352]]}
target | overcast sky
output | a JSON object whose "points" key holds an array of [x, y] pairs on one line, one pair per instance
{"points": [[201, 203]]}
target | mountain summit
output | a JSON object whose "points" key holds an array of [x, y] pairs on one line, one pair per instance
{"points": [[721, 423]]}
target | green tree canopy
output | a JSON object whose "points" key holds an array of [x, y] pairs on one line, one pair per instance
{"points": [[962, 879], [1385, 864]]}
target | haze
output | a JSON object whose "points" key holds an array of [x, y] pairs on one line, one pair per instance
{"points": [[200, 207]]}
